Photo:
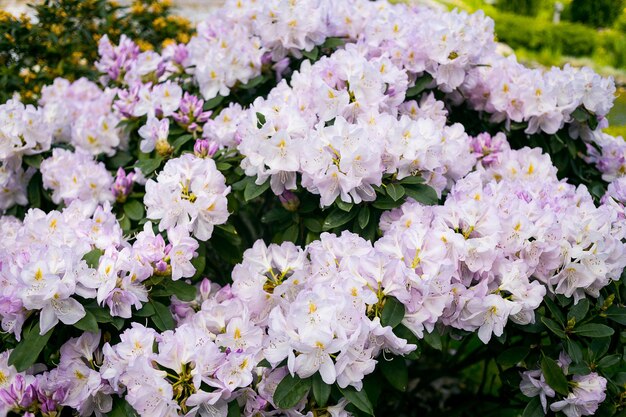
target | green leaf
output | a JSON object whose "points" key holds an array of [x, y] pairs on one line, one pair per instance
{"points": [[34, 192], [321, 390], [291, 233], [213, 103], [513, 356], [180, 289], [199, 262], [393, 312], [617, 314], [386, 203], [181, 141], [594, 330], [364, 217], [396, 372], [579, 311], [420, 85], [28, 349], [422, 194], [534, 408], [333, 43], [580, 115], [93, 257], [260, 117], [33, 160], [554, 375], [275, 215], [554, 327], [290, 391], [148, 165], [120, 159], [358, 399], [574, 351], [412, 180], [403, 332], [134, 210], [162, 318], [395, 191], [253, 190], [146, 311], [336, 218], [609, 361], [434, 340], [87, 323], [121, 408], [256, 81], [313, 225], [557, 314], [312, 54], [343, 205], [233, 409]]}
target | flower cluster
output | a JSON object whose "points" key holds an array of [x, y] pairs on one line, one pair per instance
{"points": [[23, 130], [189, 192], [342, 125], [76, 176], [80, 113], [587, 392], [505, 236]]}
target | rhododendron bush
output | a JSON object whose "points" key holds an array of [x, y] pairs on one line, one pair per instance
{"points": [[314, 208]]}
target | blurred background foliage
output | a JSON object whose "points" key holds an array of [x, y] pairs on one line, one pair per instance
{"points": [[61, 39]]}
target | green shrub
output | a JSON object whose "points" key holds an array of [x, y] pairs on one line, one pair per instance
{"points": [[596, 13], [62, 40], [523, 7]]}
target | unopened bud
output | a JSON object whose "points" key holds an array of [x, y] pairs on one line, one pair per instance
{"points": [[289, 200]]}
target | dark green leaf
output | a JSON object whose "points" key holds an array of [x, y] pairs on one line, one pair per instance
{"points": [[557, 314], [181, 141], [121, 408], [434, 340], [574, 351], [162, 318], [513, 356], [28, 349], [422, 194], [312, 54], [412, 180], [593, 330], [617, 314], [313, 225], [534, 408], [258, 80], [554, 375], [148, 165], [290, 391], [260, 117], [333, 43], [386, 203], [580, 115], [87, 323], [134, 209], [321, 390], [364, 216], [395, 191], [34, 192], [579, 311], [358, 399], [120, 159], [420, 85], [199, 262], [93, 257], [291, 233], [404, 333], [233, 409], [146, 311], [396, 372], [275, 215], [180, 289], [609, 361], [253, 190], [213, 103], [33, 160], [393, 312], [336, 218], [554, 327], [343, 205]]}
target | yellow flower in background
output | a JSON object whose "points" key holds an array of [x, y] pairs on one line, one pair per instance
{"points": [[144, 45]]}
